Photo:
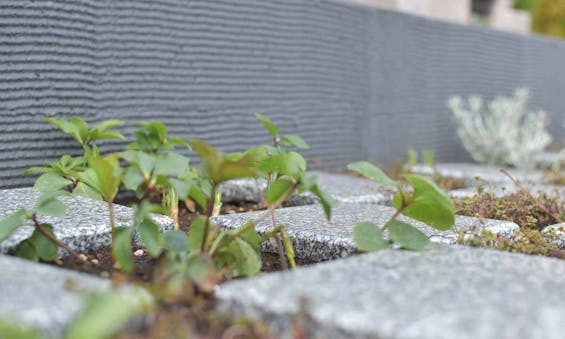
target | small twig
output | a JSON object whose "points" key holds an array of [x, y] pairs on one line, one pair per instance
{"points": [[527, 192], [56, 241]]}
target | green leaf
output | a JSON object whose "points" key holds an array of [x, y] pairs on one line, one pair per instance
{"points": [[176, 241], [372, 172], [81, 128], [180, 142], [103, 176], [199, 268], [72, 128], [294, 140], [121, 248], [251, 236], [277, 190], [268, 124], [295, 165], [105, 313], [274, 163], [171, 164], [196, 234], [51, 182], [369, 237], [182, 187], [45, 248], [196, 194], [428, 204], [248, 258], [241, 168], [86, 191], [26, 250], [327, 201], [11, 222], [407, 235], [151, 237], [132, 178], [50, 206]]}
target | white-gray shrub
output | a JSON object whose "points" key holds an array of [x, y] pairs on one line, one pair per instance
{"points": [[503, 132]]}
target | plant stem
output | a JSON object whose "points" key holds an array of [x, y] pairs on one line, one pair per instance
{"points": [[278, 241], [209, 211], [56, 241], [527, 192], [111, 216]]}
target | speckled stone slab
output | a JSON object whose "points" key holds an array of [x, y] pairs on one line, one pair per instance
{"points": [[317, 239], [475, 174], [42, 296], [443, 292], [555, 234], [505, 189], [343, 188], [85, 227]]}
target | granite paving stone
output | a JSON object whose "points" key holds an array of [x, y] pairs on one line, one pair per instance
{"points": [[442, 292], [500, 190], [342, 187], [317, 239], [41, 296], [475, 174], [85, 226], [555, 234]]}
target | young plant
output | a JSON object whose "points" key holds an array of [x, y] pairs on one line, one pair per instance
{"points": [[78, 130], [285, 171], [153, 166], [42, 243], [423, 202]]}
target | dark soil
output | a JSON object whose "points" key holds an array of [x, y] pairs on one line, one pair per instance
{"points": [[192, 315]]}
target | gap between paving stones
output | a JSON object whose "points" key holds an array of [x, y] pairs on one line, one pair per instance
{"points": [[343, 188], [443, 292], [317, 239], [84, 228]]}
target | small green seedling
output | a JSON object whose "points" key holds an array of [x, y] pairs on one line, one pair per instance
{"points": [[411, 158], [285, 172], [424, 202], [429, 158], [152, 137]]}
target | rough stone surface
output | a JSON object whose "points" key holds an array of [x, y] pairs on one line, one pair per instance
{"points": [[42, 296], [476, 174], [503, 190], [85, 227], [343, 188], [443, 292], [318, 239], [243, 190], [555, 234]]}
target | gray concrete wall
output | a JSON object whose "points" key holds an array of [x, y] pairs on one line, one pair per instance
{"points": [[355, 82]]}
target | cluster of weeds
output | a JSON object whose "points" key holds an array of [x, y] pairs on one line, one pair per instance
{"points": [[530, 213], [189, 262], [518, 207]]}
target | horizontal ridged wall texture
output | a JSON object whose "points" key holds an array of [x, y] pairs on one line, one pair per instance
{"points": [[355, 82]]}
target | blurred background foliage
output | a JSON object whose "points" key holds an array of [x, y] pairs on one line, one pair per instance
{"points": [[548, 16]]}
